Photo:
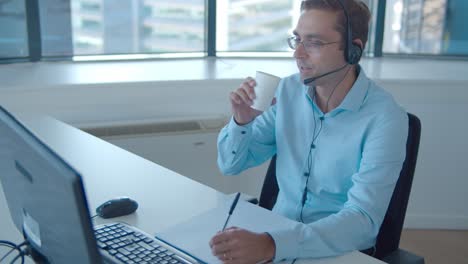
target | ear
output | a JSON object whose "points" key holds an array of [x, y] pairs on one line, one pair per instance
{"points": [[359, 43]]}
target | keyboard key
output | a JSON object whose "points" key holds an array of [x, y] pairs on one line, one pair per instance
{"points": [[146, 246], [103, 239], [114, 246], [163, 249], [123, 251], [101, 245], [180, 259]]}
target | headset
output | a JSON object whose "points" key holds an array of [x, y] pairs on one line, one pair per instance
{"points": [[352, 52]]}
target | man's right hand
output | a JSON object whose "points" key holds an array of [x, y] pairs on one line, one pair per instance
{"points": [[241, 100]]}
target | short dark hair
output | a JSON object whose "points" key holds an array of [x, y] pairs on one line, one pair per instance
{"points": [[358, 12]]}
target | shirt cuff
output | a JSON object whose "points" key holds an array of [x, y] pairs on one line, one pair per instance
{"points": [[286, 245], [236, 129]]}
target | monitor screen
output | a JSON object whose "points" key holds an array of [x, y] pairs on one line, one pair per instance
{"points": [[45, 197]]}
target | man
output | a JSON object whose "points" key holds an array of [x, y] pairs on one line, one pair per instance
{"points": [[340, 144]]}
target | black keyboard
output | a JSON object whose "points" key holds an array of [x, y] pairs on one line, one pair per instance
{"points": [[122, 243]]}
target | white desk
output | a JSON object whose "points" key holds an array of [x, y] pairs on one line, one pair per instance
{"points": [[165, 198]]}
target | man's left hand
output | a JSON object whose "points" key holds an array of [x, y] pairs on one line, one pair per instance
{"points": [[239, 246]]}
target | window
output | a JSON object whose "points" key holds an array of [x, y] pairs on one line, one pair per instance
{"points": [[13, 33], [436, 27], [56, 38], [255, 25], [66, 28], [137, 26], [264, 25]]}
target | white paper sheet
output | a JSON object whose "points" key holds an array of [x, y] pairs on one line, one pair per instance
{"points": [[194, 235]]}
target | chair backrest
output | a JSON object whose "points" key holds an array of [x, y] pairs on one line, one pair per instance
{"points": [[270, 187], [388, 238]]}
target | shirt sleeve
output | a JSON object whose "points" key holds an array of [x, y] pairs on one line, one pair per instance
{"points": [[243, 147], [356, 226]]}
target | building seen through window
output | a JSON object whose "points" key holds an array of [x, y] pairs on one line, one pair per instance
{"points": [[258, 25], [157, 26], [101, 27], [426, 27], [13, 33], [255, 25], [138, 26]]}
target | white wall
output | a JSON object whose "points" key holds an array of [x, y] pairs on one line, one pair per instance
{"points": [[439, 195], [193, 155], [438, 198]]}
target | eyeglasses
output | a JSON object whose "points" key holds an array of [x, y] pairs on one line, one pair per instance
{"points": [[310, 46]]}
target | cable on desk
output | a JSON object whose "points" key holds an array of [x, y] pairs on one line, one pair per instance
{"points": [[20, 255], [7, 244], [13, 247]]}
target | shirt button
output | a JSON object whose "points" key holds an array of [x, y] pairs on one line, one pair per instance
{"points": [[243, 132], [312, 146], [233, 152]]}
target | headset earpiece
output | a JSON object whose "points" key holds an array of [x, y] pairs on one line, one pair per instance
{"points": [[353, 51], [354, 54]]}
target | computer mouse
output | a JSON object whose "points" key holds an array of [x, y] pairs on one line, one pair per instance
{"points": [[117, 207]]}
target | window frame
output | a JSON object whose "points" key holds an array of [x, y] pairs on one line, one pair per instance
{"points": [[375, 48]]}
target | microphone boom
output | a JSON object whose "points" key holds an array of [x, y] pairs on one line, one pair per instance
{"points": [[313, 79]]}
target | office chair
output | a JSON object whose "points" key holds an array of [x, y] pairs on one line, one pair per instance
{"points": [[388, 238]]}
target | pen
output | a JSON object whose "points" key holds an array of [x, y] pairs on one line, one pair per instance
{"points": [[233, 206]]}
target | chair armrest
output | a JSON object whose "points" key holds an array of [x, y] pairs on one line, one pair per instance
{"points": [[253, 200], [402, 256], [246, 197]]}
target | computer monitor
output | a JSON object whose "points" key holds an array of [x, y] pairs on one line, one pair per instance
{"points": [[45, 196]]}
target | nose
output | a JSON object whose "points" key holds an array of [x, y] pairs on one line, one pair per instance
{"points": [[300, 51]]}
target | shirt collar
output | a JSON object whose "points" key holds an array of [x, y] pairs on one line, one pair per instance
{"points": [[355, 96]]}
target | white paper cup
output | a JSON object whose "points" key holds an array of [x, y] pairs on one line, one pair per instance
{"points": [[265, 90]]}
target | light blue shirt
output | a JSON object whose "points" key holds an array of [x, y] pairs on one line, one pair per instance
{"points": [[356, 162]]}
